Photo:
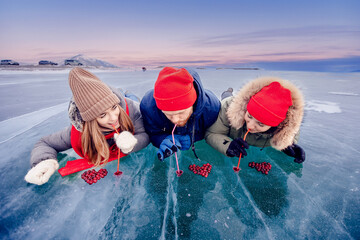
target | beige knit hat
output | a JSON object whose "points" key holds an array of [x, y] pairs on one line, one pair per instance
{"points": [[91, 95]]}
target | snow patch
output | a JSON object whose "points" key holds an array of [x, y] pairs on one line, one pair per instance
{"points": [[13, 127], [322, 106], [344, 93]]}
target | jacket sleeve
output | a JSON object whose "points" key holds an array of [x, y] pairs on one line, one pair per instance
{"points": [[137, 119], [155, 124], [152, 128], [48, 147], [213, 109], [217, 135]]}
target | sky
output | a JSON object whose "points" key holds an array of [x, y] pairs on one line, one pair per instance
{"points": [[201, 33]]}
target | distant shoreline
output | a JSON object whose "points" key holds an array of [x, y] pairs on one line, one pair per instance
{"points": [[48, 67], [63, 67]]}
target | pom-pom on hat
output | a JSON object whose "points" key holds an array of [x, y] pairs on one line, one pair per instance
{"points": [[174, 89], [270, 104], [92, 96]]}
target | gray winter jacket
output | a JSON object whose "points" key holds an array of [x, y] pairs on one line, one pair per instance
{"points": [[230, 122], [48, 147]]}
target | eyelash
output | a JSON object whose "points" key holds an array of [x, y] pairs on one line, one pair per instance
{"points": [[104, 114], [258, 123]]}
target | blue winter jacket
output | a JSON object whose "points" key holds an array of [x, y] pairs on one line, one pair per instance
{"points": [[158, 127]]}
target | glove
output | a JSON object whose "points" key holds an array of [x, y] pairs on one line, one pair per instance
{"points": [[295, 151], [183, 141], [236, 147], [167, 148], [125, 141], [41, 173]]}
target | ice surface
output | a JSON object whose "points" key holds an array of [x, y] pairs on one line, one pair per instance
{"points": [[319, 199], [18, 125], [344, 93]]}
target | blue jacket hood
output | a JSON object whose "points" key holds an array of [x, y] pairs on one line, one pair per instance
{"points": [[199, 103]]}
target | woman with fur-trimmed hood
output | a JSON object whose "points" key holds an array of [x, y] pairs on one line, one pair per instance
{"points": [[270, 108]]}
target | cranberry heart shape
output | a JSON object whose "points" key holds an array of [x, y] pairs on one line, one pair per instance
{"points": [[92, 176], [263, 167], [203, 171]]}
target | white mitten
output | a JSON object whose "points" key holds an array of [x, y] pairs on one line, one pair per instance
{"points": [[125, 141], [41, 173]]}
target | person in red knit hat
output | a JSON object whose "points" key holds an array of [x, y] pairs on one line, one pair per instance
{"points": [[178, 98], [270, 109]]}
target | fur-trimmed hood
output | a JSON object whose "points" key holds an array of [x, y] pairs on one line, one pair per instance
{"points": [[286, 131], [74, 113]]}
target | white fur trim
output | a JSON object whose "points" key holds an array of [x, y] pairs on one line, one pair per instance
{"points": [[125, 141], [41, 173], [287, 129]]}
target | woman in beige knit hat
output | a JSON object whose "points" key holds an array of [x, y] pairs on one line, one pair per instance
{"points": [[103, 121]]}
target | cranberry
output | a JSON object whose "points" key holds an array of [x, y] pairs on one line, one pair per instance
{"points": [[179, 173]]}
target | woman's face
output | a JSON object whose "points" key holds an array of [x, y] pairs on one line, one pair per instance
{"points": [[109, 118], [179, 117], [254, 125]]}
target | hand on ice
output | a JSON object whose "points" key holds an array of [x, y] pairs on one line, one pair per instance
{"points": [[167, 148], [295, 151], [125, 141], [236, 147], [41, 173]]}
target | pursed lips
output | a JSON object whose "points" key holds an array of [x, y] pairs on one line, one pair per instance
{"points": [[114, 124]]}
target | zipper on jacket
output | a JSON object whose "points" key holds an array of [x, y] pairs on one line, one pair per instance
{"points": [[193, 142]]}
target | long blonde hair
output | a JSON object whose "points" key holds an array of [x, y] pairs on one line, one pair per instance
{"points": [[94, 143]]}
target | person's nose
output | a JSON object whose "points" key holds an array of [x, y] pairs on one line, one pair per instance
{"points": [[250, 124], [113, 117], [175, 119]]}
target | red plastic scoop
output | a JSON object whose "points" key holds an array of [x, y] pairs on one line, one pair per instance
{"points": [[117, 173], [178, 172], [237, 169]]}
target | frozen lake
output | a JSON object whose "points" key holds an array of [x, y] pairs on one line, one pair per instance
{"points": [[318, 199]]}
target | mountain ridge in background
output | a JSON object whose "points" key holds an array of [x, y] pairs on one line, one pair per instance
{"points": [[91, 62]]}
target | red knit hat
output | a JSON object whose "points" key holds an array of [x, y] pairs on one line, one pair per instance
{"points": [[270, 104], [174, 89]]}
